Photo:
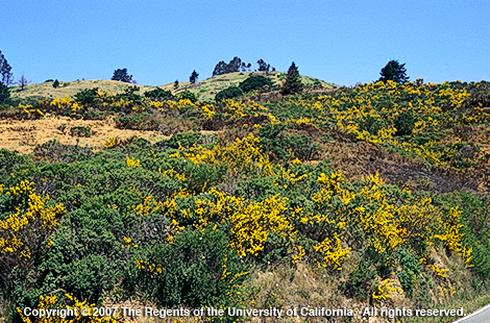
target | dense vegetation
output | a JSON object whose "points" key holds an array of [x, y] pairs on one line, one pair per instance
{"points": [[244, 186]]}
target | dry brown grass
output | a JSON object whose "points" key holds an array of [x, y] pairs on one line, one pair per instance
{"points": [[23, 135]]}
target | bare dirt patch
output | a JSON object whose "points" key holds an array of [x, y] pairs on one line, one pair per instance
{"points": [[23, 135]]}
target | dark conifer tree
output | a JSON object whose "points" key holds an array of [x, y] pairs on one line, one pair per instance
{"points": [[194, 76], [121, 74], [6, 76], [394, 71], [293, 83]]}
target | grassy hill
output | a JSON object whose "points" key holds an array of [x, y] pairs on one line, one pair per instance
{"points": [[46, 89], [208, 88], [205, 89]]}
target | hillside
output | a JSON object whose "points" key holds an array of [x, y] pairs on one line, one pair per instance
{"points": [[375, 195], [206, 89]]}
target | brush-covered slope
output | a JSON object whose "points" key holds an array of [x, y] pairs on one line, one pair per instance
{"points": [[375, 195]]}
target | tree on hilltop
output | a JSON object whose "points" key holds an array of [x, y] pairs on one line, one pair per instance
{"points": [[293, 82], [23, 82], [194, 76], [263, 66], [6, 76], [122, 75], [394, 71], [235, 65]]}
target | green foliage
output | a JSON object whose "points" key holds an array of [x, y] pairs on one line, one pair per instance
{"points": [[358, 284], [56, 84], [6, 76], [4, 93], [86, 96], [229, 93], [194, 77], [263, 66], [235, 65], [158, 94], [476, 219], [404, 123], [410, 270], [122, 75], [394, 71], [255, 82], [138, 121], [282, 145], [187, 95], [187, 140], [293, 84], [203, 271]]}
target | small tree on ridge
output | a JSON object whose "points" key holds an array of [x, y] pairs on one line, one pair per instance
{"points": [[394, 71]]}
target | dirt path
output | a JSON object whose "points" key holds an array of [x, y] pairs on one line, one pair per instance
{"points": [[23, 135]]}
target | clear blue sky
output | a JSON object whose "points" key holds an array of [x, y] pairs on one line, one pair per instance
{"points": [[159, 41]]}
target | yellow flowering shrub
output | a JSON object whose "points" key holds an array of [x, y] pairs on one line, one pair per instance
{"points": [[332, 252], [252, 223], [32, 215], [387, 289], [242, 155], [452, 236]]}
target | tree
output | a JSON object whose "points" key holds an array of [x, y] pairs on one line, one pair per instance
{"points": [[6, 76], [194, 76], [56, 84], [121, 74], [235, 65], [176, 84], [293, 81], [4, 92], [394, 71], [263, 66], [23, 81], [220, 68]]}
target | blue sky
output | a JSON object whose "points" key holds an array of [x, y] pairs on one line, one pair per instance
{"points": [[159, 41]]}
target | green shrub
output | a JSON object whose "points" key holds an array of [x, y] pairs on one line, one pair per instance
{"points": [[281, 144], [404, 124], [255, 82], [229, 93], [86, 96], [158, 94], [410, 270], [4, 93], [196, 275], [187, 95], [138, 121], [358, 284]]}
